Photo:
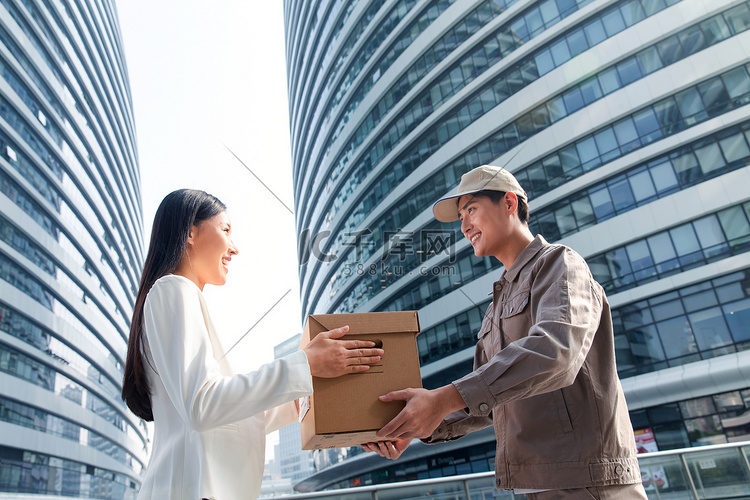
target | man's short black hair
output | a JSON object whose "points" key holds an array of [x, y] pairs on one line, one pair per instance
{"points": [[496, 196]]}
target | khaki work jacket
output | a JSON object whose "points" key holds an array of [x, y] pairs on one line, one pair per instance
{"points": [[545, 376]]}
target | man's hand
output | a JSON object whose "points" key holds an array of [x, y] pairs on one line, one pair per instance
{"points": [[329, 358], [388, 449], [423, 412]]}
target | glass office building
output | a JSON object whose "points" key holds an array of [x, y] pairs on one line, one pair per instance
{"points": [[627, 122], [71, 250]]}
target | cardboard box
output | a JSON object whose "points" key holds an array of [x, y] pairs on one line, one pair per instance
{"points": [[346, 411]]}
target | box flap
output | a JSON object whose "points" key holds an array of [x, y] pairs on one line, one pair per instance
{"points": [[313, 325], [368, 323]]}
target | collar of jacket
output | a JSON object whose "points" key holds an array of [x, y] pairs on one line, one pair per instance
{"points": [[524, 257]]}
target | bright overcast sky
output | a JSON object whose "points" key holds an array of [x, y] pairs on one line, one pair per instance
{"points": [[204, 75]]}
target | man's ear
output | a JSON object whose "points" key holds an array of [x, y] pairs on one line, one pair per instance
{"points": [[511, 202]]}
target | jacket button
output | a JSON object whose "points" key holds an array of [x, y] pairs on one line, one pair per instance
{"points": [[619, 470], [484, 407]]}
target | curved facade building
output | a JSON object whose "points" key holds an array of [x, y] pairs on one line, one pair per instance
{"points": [[627, 122], [71, 250]]}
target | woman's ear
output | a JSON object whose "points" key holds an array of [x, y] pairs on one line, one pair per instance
{"points": [[191, 235]]}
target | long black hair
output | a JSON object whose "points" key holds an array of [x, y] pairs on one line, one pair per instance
{"points": [[179, 211]]}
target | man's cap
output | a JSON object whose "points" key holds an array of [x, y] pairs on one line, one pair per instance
{"points": [[484, 178]]}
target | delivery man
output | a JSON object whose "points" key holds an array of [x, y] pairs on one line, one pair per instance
{"points": [[544, 366]]}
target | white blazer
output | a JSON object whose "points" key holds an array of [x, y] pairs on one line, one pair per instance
{"points": [[210, 423]]}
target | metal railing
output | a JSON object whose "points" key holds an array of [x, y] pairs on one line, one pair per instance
{"points": [[715, 472]]}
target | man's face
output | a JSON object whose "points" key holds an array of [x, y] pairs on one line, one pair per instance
{"points": [[484, 223]]}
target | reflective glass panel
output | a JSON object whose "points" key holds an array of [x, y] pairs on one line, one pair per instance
{"points": [[709, 232], [710, 158], [663, 176], [735, 147], [677, 337], [737, 315], [642, 186], [737, 82], [734, 223], [709, 329]]}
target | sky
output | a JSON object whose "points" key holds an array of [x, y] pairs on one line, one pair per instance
{"points": [[207, 78]]}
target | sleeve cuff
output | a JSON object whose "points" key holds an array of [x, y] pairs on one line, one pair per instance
{"points": [[476, 393], [439, 435], [298, 360], [449, 429]]}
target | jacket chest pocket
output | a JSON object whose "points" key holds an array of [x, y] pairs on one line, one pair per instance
{"points": [[487, 336], [515, 317]]}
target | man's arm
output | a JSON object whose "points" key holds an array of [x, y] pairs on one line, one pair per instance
{"points": [[548, 358], [567, 309], [453, 426]]}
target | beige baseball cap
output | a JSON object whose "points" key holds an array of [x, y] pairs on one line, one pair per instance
{"points": [[484, 178]]}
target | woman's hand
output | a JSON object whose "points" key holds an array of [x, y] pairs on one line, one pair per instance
{"points": [[388, 449], [329, 358]]}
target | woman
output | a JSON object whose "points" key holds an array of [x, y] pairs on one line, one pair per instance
{"points": [[210, 422]]}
